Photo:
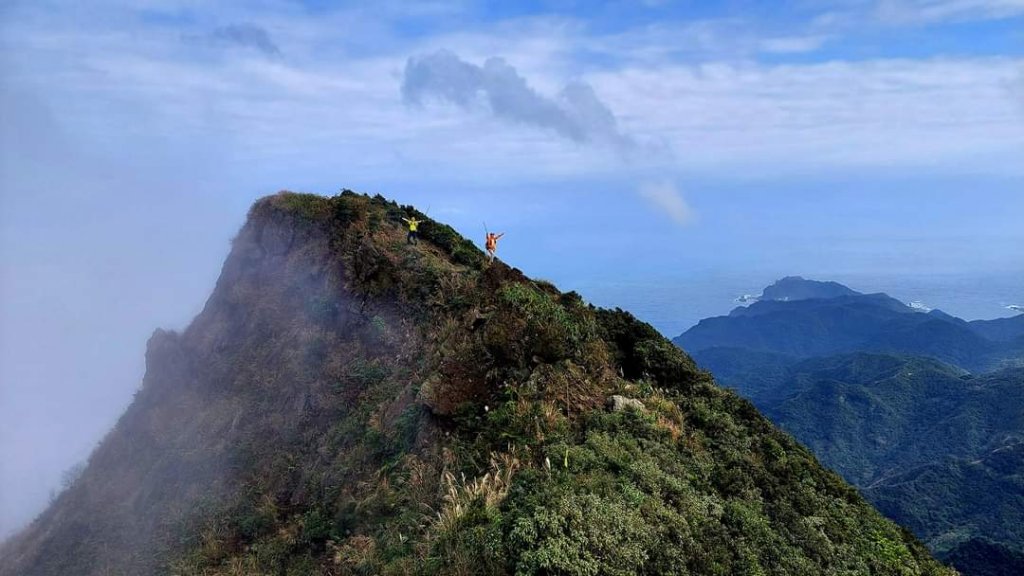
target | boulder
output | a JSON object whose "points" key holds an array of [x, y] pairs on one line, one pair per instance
{"points": [[620, 403]]}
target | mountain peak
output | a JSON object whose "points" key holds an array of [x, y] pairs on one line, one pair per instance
{"points": [[348, 402], [799, 288]]}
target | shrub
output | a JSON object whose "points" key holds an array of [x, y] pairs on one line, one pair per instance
{"points": [[531, 323]]}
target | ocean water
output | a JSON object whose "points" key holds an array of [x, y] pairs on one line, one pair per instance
{"points": [[674, 304]]}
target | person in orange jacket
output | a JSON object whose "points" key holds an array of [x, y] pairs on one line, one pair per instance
{"points": [[492, 244]]}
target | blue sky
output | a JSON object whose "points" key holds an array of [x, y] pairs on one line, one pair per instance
{"points": [[658, 143]]}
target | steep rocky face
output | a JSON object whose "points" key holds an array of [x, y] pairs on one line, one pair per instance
{"points": [[347, 403]]}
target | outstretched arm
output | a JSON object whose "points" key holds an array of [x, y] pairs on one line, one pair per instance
{"points": [[405, 219], [500, 235]]}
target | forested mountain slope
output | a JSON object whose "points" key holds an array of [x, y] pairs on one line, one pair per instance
{"points": [[348, 403]]}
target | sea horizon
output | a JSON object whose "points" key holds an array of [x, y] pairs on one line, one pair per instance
{"points": [[673, 305]]}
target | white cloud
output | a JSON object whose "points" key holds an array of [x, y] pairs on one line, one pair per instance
{"points": [[940, 114], [666, 197], [793, 44], [936, 11], [323, 99], [577, 114]]}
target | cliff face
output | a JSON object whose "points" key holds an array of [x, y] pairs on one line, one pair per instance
{"points": [[350, 404]]}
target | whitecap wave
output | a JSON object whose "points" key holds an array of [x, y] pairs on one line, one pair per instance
{"points": [[919, 306], [746, 299], [1015, 307]]}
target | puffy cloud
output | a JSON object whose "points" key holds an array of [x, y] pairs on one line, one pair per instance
{"points": [[576, 114]]}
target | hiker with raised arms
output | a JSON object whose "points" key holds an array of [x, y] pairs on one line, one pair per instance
{"points": [[492, 244], [414, 226]]}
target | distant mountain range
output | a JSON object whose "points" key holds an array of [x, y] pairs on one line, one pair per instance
{"points": [[804, 319], [924, 412]]}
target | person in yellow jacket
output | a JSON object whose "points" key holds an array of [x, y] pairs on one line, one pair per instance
{"points": [[414, 227], [492, 244]]}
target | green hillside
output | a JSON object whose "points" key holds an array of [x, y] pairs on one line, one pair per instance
{"points": [[935, 449], [347, 403], [956, 503], [872, 414]]}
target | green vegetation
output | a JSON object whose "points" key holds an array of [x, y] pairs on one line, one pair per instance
{"points": [[936, 450], [956, 503], [350, 404], [916, 433]]}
